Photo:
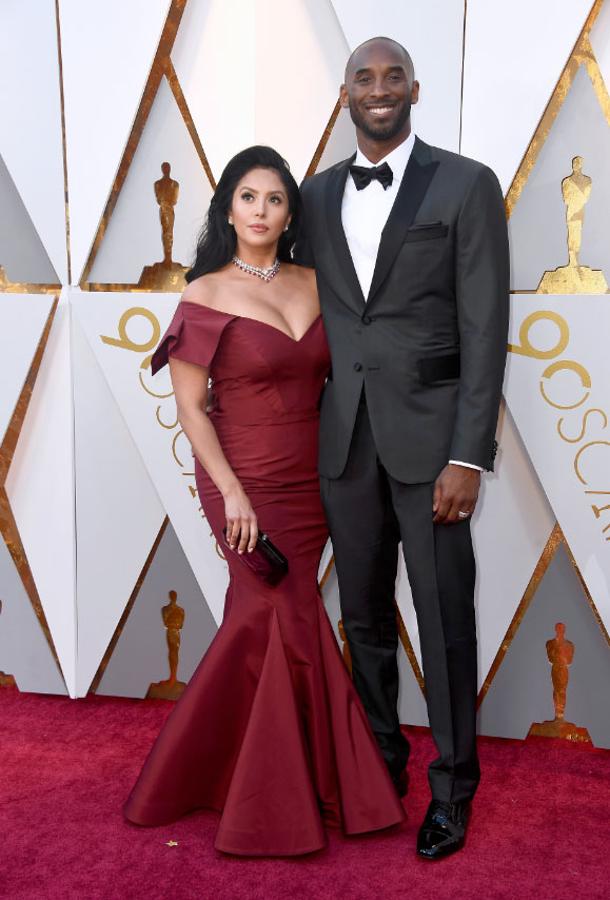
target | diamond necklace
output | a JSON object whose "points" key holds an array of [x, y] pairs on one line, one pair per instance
{"points": [[265, 273]]}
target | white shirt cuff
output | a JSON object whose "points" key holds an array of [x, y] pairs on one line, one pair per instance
{"points": [[458, 462]]}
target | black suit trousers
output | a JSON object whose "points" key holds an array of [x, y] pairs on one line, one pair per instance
{"points": [[369, 513]]}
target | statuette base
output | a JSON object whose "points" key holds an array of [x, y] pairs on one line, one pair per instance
{"points": [[559, 728], [165, 690], [573, 280], [163, 276]]}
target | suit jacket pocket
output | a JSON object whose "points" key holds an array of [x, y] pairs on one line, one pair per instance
{"points": [[426, 231], [433, 369]]}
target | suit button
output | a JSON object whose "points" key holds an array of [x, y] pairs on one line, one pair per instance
{"points": [[367, 320], [357, 367]]}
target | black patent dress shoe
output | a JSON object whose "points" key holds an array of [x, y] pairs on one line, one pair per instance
{"points": [[443, 830]]}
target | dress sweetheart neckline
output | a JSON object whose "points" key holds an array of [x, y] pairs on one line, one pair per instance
{"points": [[256, 321]]}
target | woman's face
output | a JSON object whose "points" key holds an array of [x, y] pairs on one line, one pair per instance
{"points": [[259, 209]]}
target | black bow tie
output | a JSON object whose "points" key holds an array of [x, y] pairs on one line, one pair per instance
{"points": [[363, 175]]}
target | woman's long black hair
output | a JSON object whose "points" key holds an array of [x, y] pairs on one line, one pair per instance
{"points": [[217, 241]]}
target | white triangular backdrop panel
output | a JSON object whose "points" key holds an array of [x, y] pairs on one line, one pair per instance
{"points": [[30, 112], [108, 47], [514, 56], [41, 490]]}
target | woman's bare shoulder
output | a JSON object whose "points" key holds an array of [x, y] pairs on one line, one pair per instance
{"points": [[204, 290]]}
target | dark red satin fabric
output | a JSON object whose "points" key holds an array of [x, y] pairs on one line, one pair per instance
{"points": [[270, 731]]}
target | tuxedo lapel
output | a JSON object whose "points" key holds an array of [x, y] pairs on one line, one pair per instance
{"points": [[340, 271], [415, 182]]}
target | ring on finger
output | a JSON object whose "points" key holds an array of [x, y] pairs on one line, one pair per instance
{"points": [[463, 515]]}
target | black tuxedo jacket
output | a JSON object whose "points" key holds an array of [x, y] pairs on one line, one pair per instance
{"points": [[429, 344]]}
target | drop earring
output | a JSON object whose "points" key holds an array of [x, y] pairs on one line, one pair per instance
{"points": [[230, 220]]}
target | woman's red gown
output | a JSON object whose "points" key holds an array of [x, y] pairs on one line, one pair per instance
{"points": [[270, 731]]}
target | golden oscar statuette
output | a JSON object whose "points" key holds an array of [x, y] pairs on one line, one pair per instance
{"points": [[173, 619], [166, 275], [574, 278], [560, 653]]}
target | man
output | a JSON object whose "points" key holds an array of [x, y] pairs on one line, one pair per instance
{"points": [[410, 247]]}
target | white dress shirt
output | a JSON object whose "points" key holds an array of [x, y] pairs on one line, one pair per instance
{"points": [[364, 214]]}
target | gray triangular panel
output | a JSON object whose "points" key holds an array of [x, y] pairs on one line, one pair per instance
{"points": [[412, 708], [24, 651], [22, 253], [538, 224], [522, 693], [141, 654]]}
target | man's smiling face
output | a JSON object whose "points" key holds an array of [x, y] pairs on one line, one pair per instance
{"points": [[379, 89]]}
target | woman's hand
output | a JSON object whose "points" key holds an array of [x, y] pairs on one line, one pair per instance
{"points": [[242, 527]]}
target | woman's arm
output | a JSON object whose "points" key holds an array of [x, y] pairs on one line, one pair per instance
{"points": [[191, 389]]}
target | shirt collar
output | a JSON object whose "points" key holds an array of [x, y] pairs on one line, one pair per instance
{"points": [[397, 159]]}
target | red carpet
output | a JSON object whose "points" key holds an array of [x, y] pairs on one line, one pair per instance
{"points": [[539, 829]]}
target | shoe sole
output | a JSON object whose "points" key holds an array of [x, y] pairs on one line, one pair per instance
{"points": [[442, 855]]}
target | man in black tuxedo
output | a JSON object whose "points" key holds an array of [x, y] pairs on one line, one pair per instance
{"points": [[410, 247]]}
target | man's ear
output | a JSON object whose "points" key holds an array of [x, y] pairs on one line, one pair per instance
{"points": [[414, 92], [343, 97]]}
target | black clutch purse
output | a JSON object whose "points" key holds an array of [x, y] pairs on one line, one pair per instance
{"points": [[266, 561]]}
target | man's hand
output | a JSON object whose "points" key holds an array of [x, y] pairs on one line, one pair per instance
{"points": [[455, 491]]}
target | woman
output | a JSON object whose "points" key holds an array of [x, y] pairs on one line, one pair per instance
{"points": [[270, 730]]}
